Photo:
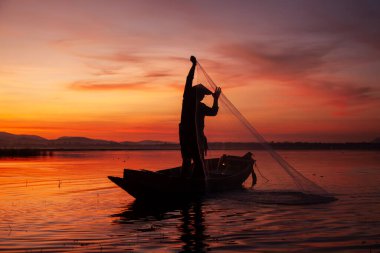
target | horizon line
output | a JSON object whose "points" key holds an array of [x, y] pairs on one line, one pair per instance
{"points": [[177, 142]]}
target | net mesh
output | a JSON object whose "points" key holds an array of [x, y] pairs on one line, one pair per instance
{"points": [[277, 176]]}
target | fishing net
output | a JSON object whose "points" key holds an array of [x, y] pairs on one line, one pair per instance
{"points": [[230, 132]]}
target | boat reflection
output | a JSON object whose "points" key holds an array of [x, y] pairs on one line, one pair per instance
{"points": [[189, 214]]}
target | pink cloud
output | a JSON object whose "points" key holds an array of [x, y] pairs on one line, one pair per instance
{"points": [[93, 86], [303, 69]]}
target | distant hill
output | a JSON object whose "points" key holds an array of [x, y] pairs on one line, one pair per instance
{"points": [[14, 141], [73, 142], [25, 141], [146, 142]]}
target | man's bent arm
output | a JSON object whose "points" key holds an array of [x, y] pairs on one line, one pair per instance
{"points": [[214, 109], [211, 111]]}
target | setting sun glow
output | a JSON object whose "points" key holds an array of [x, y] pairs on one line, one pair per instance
{"points": [[116, 70]]}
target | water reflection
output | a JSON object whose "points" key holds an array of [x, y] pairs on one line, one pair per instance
{"points": [[192, 230], [63, 203]]}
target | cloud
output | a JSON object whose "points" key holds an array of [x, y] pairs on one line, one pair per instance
{"points": [[176, 86], [94, 86], [350, 90], [340, 98], [314, 71], [102, 70], [355, 21], [155, 74], [345, 94], [116, 57], [278, 60]]}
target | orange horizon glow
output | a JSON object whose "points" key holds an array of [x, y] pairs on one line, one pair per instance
{"points": [[115, 70]]}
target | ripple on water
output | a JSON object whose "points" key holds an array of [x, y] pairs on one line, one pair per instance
{"points": [[75, 212]]}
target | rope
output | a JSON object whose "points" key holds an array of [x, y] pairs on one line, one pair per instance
{"points": [[257, 167]]}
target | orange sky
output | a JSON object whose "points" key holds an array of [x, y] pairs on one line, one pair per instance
{"points": [[298, 70]]}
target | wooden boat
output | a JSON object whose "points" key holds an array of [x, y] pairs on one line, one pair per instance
{"points": [[224, 173]]}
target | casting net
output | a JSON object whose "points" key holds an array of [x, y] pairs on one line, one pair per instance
{"points": [[231, 133]]}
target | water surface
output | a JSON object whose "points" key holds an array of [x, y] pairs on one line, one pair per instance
{"points": [[65, 203]]}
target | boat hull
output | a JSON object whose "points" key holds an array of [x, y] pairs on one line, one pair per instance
{"points": [[225, 173]]}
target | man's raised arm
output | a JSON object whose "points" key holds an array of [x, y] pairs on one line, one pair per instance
{"points": [[190, 76]]}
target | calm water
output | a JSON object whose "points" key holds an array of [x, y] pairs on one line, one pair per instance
{"points": [[65, 203]]}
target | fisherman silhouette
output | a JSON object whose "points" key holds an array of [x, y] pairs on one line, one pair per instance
{"points": [[192, 138]]}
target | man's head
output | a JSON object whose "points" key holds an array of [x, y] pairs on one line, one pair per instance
{"points": [[201, 91]]}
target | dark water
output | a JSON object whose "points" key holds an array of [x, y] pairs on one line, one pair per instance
{"points": [[65, 203]]}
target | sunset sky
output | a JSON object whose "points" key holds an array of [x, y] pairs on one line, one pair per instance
{"points": [[298, 70]]}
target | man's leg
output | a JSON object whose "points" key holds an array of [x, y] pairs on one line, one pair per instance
{"points": [[199, 170], [185, 153], [186, 164]]}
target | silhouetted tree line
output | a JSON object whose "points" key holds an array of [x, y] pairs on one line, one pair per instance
{"points": [[297, 146], [29, 152], [24, 152]]}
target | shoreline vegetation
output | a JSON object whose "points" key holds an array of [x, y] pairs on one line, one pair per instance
{"points": [[12, 145], [24, 152], [49, 151]]}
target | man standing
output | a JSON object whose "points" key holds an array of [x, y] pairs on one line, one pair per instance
{"points": [[192, 139]]}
